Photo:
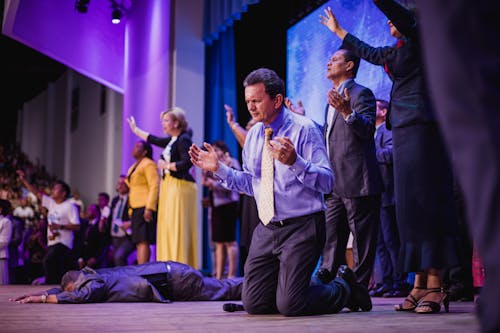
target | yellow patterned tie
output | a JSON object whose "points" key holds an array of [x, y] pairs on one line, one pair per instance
{"points": [[266, 196]]}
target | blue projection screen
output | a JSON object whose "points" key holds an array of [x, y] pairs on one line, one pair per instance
{"points": [[310, 45]]}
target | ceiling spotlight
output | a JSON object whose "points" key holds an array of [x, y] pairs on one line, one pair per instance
{"points": [[116, 16], [82, 6]]}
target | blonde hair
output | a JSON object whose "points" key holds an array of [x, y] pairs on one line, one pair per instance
{"points": [[177, 114]]}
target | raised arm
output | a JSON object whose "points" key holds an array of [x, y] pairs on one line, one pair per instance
{"points": [[239, 132], [28, 185], [136, 130], [375, 55]]}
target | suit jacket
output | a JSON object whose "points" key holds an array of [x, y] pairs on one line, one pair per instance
{"points": [[178, 154], [125, 215], [143, 182], [150, 282], [117, 284], [352, 148], [409, 103], [383, 146]]}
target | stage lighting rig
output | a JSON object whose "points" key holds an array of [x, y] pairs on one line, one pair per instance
{"points": [[117, 11], [82, 6]]}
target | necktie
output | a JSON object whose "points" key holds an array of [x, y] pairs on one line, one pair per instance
{"points": [[119, 210], [266, 196]]}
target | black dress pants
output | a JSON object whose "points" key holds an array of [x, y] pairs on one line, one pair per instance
{"points": [[58, 260], [279, 266]]}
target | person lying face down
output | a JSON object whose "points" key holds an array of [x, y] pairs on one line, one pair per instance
{"points": [[151, 282]]}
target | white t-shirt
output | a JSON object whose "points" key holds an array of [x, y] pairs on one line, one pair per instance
{"points": [[105, 212], [64, 213], [24, 212]]}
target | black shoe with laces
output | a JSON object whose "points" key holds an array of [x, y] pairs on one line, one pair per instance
{"points": [[359, 298]]}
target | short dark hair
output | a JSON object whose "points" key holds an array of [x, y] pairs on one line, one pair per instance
{"points": [[350, 56], [104, 194], [65, 188], [5, 207], [221, 145], [68, 277], [148, 148], [272, 82], [384, 103]]}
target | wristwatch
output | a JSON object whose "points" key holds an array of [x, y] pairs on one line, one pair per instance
{"points": [[44, 298]]}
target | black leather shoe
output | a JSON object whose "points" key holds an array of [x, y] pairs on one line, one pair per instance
{"points": [[380, 291], [324, 275], [359, 299]]}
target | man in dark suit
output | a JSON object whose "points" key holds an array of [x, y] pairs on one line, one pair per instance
{"points": [[119, 222], [354, 204], [388, 237]]}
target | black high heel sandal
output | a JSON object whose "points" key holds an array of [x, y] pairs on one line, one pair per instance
{"points": [[412, 300], [428, 306]]}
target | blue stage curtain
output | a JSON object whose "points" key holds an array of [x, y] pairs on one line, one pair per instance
{"points": [[220, 14], [220, 82], [220, 89]]}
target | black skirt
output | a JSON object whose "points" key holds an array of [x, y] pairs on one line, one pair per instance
{"points": [[425, 207], [224, 222]]}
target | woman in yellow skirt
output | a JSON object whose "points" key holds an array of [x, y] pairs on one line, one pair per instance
{"points": [[177, 232]]}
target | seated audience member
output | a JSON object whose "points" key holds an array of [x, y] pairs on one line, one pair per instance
{"points": [[150, 282]]}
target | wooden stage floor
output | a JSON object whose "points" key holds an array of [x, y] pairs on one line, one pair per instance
{"points": [[209, 317]]}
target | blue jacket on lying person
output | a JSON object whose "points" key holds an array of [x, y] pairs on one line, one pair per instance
{"points": [[151, 282]]}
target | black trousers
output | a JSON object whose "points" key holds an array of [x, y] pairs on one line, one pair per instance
{"points": [[388, 248], [361, 217], [58, 260], [279, 266], [181, 282]]}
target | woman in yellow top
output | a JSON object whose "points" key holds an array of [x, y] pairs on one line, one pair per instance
{"points": [[177, 234], [142, 180]]}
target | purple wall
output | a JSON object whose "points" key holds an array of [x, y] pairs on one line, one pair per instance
{"points": [[89, 43], [147, 70], [132, 57]]}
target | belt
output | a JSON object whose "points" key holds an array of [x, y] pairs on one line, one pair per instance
{"points": [[282, 223], [161, 282]]}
